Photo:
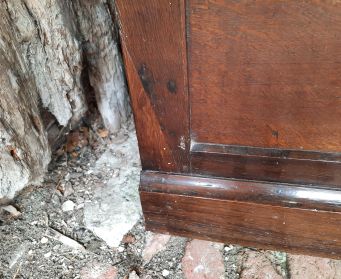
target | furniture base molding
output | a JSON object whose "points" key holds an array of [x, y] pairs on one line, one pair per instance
{"points": [[288, 217]]}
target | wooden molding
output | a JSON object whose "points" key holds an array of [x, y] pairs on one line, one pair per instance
{"points": [[266, 215]]}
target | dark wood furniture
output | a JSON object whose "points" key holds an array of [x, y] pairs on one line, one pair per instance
{"points": [[237, 107]]}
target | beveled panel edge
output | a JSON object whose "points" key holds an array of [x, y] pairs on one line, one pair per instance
{"points": [[312, 155], [274, 165]]}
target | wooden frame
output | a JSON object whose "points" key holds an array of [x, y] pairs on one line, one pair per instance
{"points": [[286, 198], [153, 43]]}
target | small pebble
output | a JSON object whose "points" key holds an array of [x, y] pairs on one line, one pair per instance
{"points": [[44, 240], [228, 248], [133, 275], [67, 177], [81, 205], [10, 209], [165, 273], [47, 255], [68, 206]]}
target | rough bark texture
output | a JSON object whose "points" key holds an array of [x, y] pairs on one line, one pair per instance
{"points": [[24, 152], [50, 51], [104, 60]]}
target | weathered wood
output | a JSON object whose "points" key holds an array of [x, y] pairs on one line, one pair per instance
{"points": [[24, 150], [46, 37], [60, 52], [96, 25], [65, 43]]}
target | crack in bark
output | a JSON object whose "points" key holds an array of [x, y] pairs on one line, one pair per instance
{"points": [[57, 64], [36, 24]]}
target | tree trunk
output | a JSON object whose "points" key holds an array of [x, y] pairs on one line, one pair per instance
{"points": [[50, 51], [22, 135], [96, 26]]}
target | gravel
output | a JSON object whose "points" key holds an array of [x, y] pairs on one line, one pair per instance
{"points": [[43, 232]]}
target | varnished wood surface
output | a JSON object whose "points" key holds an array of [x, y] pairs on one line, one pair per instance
{"points": [[289, 166], [264, 104], [288, 195], [266, 73], [266, 152], [230, 220], [154, 46]]}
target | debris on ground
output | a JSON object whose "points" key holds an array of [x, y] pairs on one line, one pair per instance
{"points": [[85, 222], [10, 211]]}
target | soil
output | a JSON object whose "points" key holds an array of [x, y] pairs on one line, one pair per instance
{"points": [[47, 242], [86, 218]]}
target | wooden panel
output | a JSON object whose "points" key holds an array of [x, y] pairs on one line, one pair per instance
{"points": [[291, 166], [266, 73], [154, 46], [245, 222]]}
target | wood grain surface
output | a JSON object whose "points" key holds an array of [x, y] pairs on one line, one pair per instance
{"points": [[260, 101], [284, 194], [266, 73], [267, 164], [180, 206], [154, 45]]}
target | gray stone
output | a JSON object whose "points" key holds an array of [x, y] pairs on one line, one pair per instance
{"points": [[18, 254], [68, 206], [133, 275], [67, 241], [10, 209], [118, 205]]}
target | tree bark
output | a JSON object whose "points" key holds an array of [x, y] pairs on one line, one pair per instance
{"points": [[97, 29], [24, 151], [50, 51]]}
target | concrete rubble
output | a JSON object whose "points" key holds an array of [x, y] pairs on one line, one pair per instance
{"points": [[115, 208]]}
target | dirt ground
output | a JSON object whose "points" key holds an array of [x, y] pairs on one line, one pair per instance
{"points": [[85, 221]]}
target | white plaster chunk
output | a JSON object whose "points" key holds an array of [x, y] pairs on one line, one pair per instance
{"points": [[117, 207], [68, 206]]}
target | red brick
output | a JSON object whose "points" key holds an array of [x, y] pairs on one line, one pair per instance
{"points": [[303, 267], [154, 244], [96, 270], [257, 266], [203, 260]]}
